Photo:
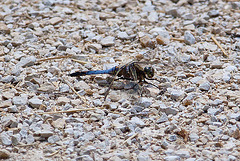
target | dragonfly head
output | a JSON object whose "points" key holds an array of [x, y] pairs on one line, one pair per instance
{"points": [[149, 71]]}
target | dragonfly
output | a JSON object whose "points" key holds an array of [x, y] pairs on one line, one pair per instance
{"points": [[130, 71]]}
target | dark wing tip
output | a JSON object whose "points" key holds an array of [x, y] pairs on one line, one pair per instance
{"points": [[75, 74]]}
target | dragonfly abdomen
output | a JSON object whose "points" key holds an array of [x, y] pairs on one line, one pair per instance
{"points": [[108, 71]]}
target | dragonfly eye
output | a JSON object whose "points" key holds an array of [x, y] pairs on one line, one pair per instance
{"points": [[149, 71]]}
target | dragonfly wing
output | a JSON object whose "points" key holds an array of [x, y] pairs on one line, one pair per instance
{"points": [[118, 69], [133, 71]]}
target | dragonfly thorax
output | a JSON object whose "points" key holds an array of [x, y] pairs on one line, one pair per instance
{"points": [[149, 71]]}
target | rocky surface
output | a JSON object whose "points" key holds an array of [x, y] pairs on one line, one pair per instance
{"points": [[196, 118]]}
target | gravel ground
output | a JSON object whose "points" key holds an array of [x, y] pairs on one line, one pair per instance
{"points": [[194, 46]]}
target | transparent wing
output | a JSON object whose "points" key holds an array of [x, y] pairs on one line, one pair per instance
{"points": [[114, 77], [133, 71]]}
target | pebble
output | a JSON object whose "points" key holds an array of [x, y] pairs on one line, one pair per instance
{"points": [[25, 62], [189, 39], [35, 102], [147, 42], [177, 94], [5, 139], [193, 137], [213, 13], [4, 28], [62, 100], [55, 20], [19, 100], [108, 41], [172, 158], [123, 35], [4, 154], [162, 119], [53, 139], [138, 122], [204, 86]]}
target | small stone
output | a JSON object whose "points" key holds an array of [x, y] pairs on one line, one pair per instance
{"points": [[45, 133], [59, 123], [64, 88], [8, 79], [16, 139], [145, 102], [4, 29], [55, 20], [204, 86], [97, 103], [54, 70], [7, 95], [193, 137], [162, 119], [177, 94], [30, 139], [28, 61], [35, 102], [213, 13], [13, 109], [96, 47], [108, 41], [183, 153], [5, 104], [189, 39], [5, 139], [81, 85], [137, 121], [4, 154], [62, 48], [173, 11], [171, 111], [147, 42], [162, 40], [19, 101], [143, 156], [53, 139], [153, 16], [122, 35], [172, 158], [216, 65], [62, 100]]}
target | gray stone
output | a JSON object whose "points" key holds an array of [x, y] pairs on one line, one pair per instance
{"points": [[64, 88], [145, 102], [235, 116], [35, 102], [153, 16], [189, 39], [193, 137], [183, 153], [122, 35], [16, 139], [8, 79], [30, 139], [174, 12], [137, 121], [172, 158], [143, 156], [28, 61], [45, 133], [177, 94], [213, 13], [204, 86], [108, 41], [19, 100], [5, 139], [53, 139], [162, 119]]}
